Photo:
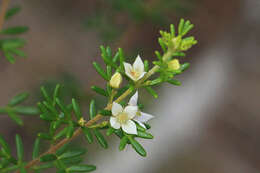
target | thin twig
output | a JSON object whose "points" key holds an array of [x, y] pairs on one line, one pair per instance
{"points": [[4, 6]]}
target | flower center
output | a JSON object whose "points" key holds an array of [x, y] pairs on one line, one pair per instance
{"points": [[135, 73], [122, 118]]}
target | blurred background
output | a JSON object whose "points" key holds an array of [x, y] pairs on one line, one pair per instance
{"points": [[210, 124]]}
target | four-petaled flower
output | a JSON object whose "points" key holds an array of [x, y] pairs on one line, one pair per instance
{"points": [[122, 117], [140, 117], [136, 71]]}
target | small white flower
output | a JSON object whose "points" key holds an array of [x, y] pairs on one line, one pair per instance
{"points": [[140, 117], [123, 118], [135, 71]]}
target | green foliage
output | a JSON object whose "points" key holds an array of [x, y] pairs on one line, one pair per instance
{"points": [[66, 120], [10, 46], [13, 109]]}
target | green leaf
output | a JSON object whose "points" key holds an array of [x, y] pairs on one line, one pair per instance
{"points": [[26, 110], [56, 93], [48, 158], [110, 131], [119, 133], [63, 108], [71, 154], [63, 149], [5, 146], [184, 66], [15, 30], [147, 126], [140, 128], [159, 56], [180, 27], [36, 148], [61, 171], [61, 133], [87, 134], [174, 82], [18, 99], [99, 91], [152, 92], [100, 71], [15, 117], [187, 27], [121, 58], [156, 81], [146, 65], [137, 147], [43, 166], [18, 52], [9, 57], [100, 138], [109, 71], [47, 117], [172, 30], [81, 168], [105, 112], [19, 147], [76, 109], [44, 136], [14, 43], [74, 161], [46, 95], [144, 135], [22, 169], [116, 57], [70, 130], [123, 143], [11, 12], [92, 109]]}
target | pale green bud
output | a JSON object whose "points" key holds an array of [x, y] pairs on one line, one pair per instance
{"points": [[115, 80], [174, 64]]}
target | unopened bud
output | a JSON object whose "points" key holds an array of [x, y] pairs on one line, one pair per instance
{"points": [[115, 80], [82, 122], [174, 64]]}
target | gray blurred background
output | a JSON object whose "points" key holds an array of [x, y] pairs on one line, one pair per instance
{"points": [[210, 124]]}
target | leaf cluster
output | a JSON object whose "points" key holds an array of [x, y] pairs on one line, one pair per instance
{"points": [[11, 44]]}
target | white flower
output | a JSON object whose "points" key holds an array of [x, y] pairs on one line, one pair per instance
{"points": [[123, 118], [136, 71], [140, 117]]}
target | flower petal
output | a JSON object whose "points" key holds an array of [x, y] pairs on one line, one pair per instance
{"points": [[128, 69], [142, 75], [138, 64], [144, 117], [129, 127], [114, 123], [140, 123], [133, 100], [116, 108], [131, 111]]}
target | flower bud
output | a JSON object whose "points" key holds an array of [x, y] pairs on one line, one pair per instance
{"points": [[174, 64], [81, 122], [115, 80]]}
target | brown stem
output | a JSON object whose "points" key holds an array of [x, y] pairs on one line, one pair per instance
{"points": [[4, 6]]}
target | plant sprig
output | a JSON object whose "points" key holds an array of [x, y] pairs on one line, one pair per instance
{"points": [[66, 121]]}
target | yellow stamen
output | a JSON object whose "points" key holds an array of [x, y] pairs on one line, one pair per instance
{"points": [[122, 118]]}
